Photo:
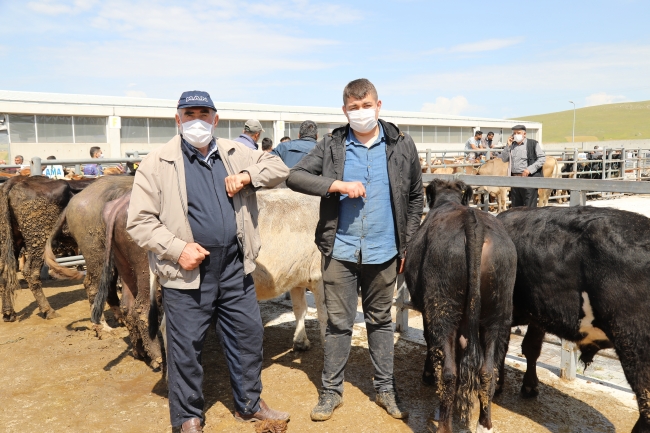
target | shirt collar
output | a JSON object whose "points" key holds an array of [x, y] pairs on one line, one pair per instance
{"points": [[192, 151], [352, 139]]}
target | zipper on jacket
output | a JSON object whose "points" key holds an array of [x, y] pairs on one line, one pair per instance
{"points": [[180, 194], [243, 229]]}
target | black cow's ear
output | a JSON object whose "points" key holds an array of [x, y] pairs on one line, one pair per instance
{"points": [[431, 193], [468, 192]]}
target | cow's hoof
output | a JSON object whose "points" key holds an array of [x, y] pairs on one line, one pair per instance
{"points": [[301, 346], [51, 314], [428, 379], [9, 317], [156, 364], [529, 392], [498, 389]]}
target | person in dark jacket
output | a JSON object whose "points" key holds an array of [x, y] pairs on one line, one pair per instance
{"points": [[526, 158], [291, 152], [370, 182]]}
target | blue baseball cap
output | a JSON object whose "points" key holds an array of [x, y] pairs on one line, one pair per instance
{"points": [[195, 98]]}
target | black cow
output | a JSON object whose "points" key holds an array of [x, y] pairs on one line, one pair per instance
{"points": [[583, 274], [460, 270]]}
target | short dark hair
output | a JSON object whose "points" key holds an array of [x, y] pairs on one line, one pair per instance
{"points": [[267, 144], [285, 138], [308, 129], [359, 89], [478, 133], [19, 156], [490, 133], [51, 157], [94, 150]]}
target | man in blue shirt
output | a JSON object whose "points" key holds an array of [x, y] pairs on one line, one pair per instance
{"points": [[291, 152], [369, 178], [251, 134]]}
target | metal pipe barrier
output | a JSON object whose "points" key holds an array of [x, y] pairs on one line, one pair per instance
{"points": [[36, 164], [578, 196]]}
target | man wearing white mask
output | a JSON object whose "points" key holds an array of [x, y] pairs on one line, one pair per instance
{"points": [[526, 158], [193, 208], [368, 176]]}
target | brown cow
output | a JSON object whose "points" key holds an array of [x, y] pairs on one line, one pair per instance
{"points": [[29, 208], [550, 169], [496, 167]]}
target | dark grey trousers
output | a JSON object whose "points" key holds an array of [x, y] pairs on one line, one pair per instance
{"points": [[342, 282], [523, 197]]}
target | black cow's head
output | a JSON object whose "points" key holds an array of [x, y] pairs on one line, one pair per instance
{"points": [[440, 191]]}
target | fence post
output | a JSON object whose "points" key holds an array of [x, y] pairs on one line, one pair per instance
{"points": [[621, 174], [578, 198], [575, 163], [136, 154], [35, 168], [568, 360], [401, 313], [77, 169], [428, 161], [638, 165]]}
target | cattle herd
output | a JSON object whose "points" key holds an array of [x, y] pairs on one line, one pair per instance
{"points": [[580, 273]]}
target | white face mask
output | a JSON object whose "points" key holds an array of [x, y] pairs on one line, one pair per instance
{"points": [[362, 120], [519, 138], [197, 132]]}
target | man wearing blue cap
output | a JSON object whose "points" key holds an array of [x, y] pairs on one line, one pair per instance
{"points": [[193, 208]]}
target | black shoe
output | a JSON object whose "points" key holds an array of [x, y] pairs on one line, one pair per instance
{"points": [[327, 402], [390, 401]]}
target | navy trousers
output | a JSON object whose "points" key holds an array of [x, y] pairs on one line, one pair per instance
{"points": [[229, 297]]}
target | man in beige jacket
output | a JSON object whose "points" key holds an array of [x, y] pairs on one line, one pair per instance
{"points": [[193, 208]]}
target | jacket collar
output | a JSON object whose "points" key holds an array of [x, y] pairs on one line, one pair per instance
{"points": [[172, 151], [391, 132]]}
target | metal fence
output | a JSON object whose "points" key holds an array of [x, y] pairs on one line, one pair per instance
{"points": [[578, 195]]}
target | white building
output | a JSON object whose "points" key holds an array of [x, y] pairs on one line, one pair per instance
{"points": [[66, 126]]}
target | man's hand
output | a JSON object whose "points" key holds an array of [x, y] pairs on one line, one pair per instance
{"points": [[236, 183], [351, 189], [525, 173], [192, 256], [510, 140]]}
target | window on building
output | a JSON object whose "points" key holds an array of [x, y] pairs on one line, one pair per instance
{"points": [[531, 133], [236, 128], [22, 128], [134, 130], [161, 130], [222, 130], [4, 129], [442, 134], [54, 129], [267, 126], [90, 129], [456, 135], [428, 134], [415, 131]]}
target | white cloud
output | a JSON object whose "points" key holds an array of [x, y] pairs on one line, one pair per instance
{"points": [[575, 68], [603, 98], [135, 94], [51, 7], [485, 45], [444, 105]]}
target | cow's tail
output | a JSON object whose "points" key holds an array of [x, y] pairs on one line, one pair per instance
{"points": [[153, 306], [56, 269], [108, 271], [471, 358], [8, 263]]}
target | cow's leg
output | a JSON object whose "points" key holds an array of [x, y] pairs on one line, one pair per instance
{"points": [[114, 302], [32, 273], [531, 347], [504, 341], [486, 392], [428, 374], [445, 361], [299, 302], [131, 319], [8, 312], [635, 361]]}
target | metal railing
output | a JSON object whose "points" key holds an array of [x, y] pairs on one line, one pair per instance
{"points": [[578, 195], [36, 164]]}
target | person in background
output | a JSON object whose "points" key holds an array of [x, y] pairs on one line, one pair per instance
{"points": [[473, 143], [368, 176], [291, 152], [93, 169], [526, 158], [487, 142], [18, 160], [267, 144], [251, 134], [51, 157], [285, 138]]}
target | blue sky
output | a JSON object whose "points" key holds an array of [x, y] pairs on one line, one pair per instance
{"points": [[491, 59]]}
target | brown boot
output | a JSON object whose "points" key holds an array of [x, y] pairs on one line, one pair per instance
{"points": [[264, 413], [192, 426]]}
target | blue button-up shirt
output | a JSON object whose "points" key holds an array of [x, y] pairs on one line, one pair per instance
{"points": [[366, 228], [212, 147]]}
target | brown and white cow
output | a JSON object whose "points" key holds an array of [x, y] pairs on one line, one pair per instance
{"points": [[496, 167], [550, 169]]}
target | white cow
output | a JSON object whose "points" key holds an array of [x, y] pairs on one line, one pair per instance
{"points": [[289, 259]]}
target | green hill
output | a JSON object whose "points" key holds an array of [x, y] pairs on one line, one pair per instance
{"points": [[624, 121]]}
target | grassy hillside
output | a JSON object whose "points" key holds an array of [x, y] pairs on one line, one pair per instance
{"points": [[624, 121]]}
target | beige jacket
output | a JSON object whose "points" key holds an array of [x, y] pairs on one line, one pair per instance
{"points": [[157, 218]]}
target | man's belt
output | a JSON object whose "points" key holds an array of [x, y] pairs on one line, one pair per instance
{"points": [[516, 174]]}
